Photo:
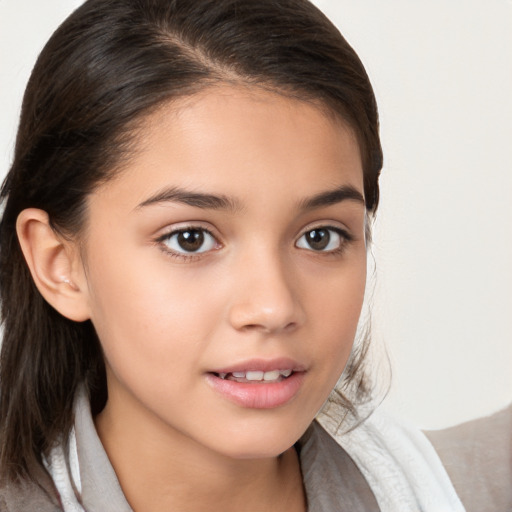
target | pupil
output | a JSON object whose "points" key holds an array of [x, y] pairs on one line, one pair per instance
{"points": [[318, 239], [191, 240]]}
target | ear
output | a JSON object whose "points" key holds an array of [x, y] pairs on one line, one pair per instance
{"points": [[55, 265]]}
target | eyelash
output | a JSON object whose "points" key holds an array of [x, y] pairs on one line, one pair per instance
{"points": [[163, 240], [167, 237], [345, 239]]}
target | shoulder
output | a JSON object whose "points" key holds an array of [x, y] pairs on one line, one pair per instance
{"points": [[30, 496], [478, 458], [331, 478]]}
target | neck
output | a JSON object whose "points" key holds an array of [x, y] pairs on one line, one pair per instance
{"points": [[160, 469]]}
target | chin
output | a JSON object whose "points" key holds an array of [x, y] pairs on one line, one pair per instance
{"points": [[258, 452], [259, 442]]}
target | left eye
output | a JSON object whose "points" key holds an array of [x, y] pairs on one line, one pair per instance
{"points": [[190, 240], [321, 239]]}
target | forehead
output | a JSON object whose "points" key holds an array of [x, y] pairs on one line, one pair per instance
{"points": [[229, 137]]}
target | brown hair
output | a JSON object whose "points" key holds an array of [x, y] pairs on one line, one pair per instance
{"points": [[106, 67]]}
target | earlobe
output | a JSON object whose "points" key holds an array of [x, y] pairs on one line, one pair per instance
{"points": [[54, 263]]}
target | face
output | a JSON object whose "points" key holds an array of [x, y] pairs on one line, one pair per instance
{"points": [[225, 268]]}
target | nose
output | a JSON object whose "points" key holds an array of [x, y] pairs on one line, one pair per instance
{"points": [[266, 297]]}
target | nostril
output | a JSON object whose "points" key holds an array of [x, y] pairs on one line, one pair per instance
{"points": [[291, 326], [269, 328]]}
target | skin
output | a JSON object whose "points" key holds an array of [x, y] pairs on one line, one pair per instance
{"points": [[256, 290]]}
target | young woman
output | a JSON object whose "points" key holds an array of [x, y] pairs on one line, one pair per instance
{"points": [[183, 265]]}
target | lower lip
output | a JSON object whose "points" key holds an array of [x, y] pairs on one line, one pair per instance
{"points": [[258, 395]]}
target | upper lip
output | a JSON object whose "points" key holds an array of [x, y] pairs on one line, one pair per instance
{"points": [[263, 365]]}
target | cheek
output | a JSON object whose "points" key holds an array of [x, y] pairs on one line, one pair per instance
{"points": [[337, 296], [147, 314], [335, 308]]}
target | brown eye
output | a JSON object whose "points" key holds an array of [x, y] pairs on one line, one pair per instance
{"points": [[191, 240], [318, 239], [321, 239]]}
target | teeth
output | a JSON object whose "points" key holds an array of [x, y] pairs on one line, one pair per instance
{"points": [[256, 375]]}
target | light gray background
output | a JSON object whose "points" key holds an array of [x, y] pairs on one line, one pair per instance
{"points": [[442, 72]]}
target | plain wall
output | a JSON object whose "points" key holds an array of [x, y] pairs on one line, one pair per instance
{"points": [[442, 73]]}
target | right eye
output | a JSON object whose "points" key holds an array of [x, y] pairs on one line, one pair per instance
{"points": [[189, 241]]}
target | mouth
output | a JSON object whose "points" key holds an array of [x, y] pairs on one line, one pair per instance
{"points": [[259, 384], [255, 376]]}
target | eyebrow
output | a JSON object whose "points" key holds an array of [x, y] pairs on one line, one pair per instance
{"points": [[330, 197], [223, 202], [190, 198]]}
